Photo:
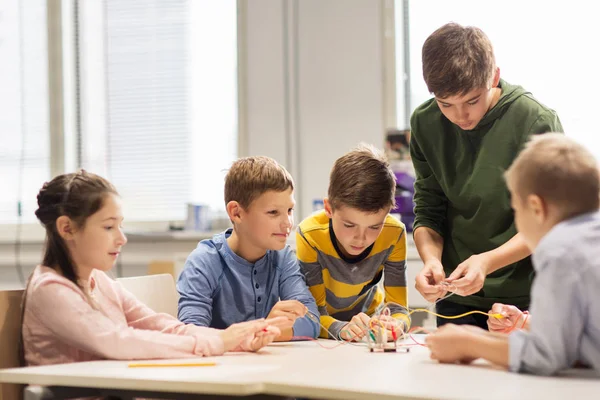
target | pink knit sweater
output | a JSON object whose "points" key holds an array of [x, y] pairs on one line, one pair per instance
{"points": [[61, 324]]}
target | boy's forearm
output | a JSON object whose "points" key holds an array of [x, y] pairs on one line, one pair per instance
{"points": [[495, 334], [491, 347], [429, 243], [510, 252]]}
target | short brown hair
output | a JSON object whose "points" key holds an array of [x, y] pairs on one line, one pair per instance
{"points": [[362, 179], [457, 60], [249, 177], [559, 170]]}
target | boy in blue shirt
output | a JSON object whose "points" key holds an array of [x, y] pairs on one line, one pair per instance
{"points": [[554, 185], [249, 272]]}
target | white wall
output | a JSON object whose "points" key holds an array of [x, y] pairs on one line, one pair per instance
{"points": [[315, 84], [551, 52], [261, 57]]}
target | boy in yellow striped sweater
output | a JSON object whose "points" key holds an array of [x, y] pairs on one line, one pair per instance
{"points": [[349, 247]]}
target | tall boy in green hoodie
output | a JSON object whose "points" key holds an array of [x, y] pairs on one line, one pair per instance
{"points": [[462, 141]]}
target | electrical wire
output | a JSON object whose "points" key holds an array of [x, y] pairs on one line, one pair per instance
{"points": [[381, 322]]}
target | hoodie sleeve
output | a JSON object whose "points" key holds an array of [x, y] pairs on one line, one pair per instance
{"points": [[430, 200]]}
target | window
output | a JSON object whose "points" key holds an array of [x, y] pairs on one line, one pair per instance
{"points": [[158, 83], [546, 47], [24, 127]]}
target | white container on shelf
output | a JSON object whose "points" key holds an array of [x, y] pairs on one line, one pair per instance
{"points": [[198, 218]]}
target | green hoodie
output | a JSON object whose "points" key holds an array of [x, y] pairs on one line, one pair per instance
{"points": [[460, 190]]}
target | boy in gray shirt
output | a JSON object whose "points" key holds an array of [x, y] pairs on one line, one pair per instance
{"points": [[555, 188]]}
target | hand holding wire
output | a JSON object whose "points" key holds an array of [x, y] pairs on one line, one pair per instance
{"points": [[469, 276], [356, 329], [392, 326], [383, 333], [288, 309], [503, 317], [429, 279]]}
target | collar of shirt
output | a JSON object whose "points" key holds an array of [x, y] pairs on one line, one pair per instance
{"points": [[226, 252]]}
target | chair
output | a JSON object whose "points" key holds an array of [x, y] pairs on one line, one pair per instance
{"points": [[156, 291], [10, 332]]}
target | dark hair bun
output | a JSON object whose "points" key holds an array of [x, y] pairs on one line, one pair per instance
{"points": [[49, 200]]}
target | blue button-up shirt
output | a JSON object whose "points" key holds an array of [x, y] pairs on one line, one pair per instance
{"points": [[565, 305], [218, 288]]}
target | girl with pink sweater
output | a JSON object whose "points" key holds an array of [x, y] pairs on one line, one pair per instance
{"points": [[74, 312]]}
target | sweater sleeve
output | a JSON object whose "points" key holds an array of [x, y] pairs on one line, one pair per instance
{"points": [[430, 200], [313, 274], [196, 286], [553, 342], [293, 287], [394, 282], [62, 308]]}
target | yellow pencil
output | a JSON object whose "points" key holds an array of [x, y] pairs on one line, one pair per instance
{"points": [[143, 365]]}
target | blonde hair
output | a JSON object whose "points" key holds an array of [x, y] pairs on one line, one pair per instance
{"points": [[250, 177], [362, 179], [560, 171]]}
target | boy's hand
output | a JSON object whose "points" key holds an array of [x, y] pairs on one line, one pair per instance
{"points": [[469, 276], [429, 279], [356, 329], [450, 344], [289, 310], [393, 327], [512, 317]]}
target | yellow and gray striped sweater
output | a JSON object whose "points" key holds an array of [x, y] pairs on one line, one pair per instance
{"points": [[343, 288]]}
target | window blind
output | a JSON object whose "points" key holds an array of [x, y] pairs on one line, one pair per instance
{"points": [[24, 119], [170, 103]]}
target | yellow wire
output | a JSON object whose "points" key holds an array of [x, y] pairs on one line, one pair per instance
{"points": [[495, 315]]}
